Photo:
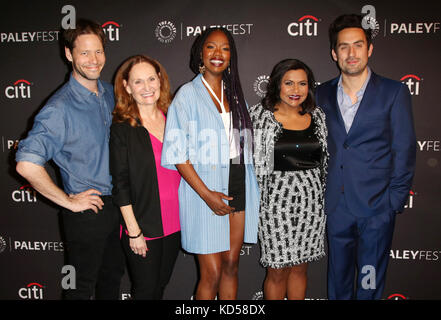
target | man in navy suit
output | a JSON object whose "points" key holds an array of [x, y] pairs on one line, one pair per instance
{"points": [[372, 149]]}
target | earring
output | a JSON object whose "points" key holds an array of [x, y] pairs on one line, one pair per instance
{"points": [[201, 68], [229, 70]]}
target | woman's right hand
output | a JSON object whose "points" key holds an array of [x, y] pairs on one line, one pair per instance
{"points": [[214, 200], [139, 246]]}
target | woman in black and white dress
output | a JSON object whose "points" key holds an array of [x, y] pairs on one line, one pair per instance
{"points": [[290, 155]]}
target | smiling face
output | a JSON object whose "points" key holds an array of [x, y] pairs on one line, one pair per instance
{"points": [[87, 57], [294, 88], [216, 53], [143, 84], [352, 51]]}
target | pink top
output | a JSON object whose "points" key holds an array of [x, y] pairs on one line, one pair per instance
{"points": [[168, 184]]}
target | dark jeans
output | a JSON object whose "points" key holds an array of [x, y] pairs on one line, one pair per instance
{"points": [[93, 247], [150, 275]]}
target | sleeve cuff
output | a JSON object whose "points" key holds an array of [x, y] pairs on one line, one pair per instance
{"points": [[30, 157]]}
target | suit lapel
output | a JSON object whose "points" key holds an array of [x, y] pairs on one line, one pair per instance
{"points": [[367, 101], [335, 110]]}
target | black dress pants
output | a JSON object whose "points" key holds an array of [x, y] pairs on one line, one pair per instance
{"points": [[94, 249], [150, 275]]}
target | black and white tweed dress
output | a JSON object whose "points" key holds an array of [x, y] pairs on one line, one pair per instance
{"points": [[292, 220]]}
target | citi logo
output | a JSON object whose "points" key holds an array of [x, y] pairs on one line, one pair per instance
{"points": [[33, 291], [410, 200], [413, 83], [21, 89], [25, 194], [111, 29], [396, 296], [305, 26]]}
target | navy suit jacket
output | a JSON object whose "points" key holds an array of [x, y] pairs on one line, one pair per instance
{"points": [[373, 164]]}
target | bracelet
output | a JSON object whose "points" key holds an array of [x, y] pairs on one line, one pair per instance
{"points": [[134, 237]]}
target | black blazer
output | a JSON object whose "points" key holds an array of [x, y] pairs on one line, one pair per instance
{"points": [[134, 179]]}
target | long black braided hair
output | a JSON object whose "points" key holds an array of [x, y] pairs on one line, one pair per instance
{"points": [[238, 107]]}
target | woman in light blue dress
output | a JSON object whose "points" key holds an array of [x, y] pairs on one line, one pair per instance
{"points": [[208, 138]]}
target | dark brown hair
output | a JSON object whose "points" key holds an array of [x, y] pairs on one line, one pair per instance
{"points": [[83, 26], [347, 21]]}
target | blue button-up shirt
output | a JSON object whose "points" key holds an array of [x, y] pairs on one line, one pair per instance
{"points": [[73, 129], [347, 109]]}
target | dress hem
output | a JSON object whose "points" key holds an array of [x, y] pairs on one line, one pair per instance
{"points": [[279, 265]]}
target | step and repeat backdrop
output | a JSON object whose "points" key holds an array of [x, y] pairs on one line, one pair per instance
{"points": [[406, 48]]}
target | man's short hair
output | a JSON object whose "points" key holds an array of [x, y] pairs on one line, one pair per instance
{"points": [[347, 21], [83, 26]]}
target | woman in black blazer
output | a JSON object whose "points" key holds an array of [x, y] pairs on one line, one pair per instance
{"points": [[146, 193]]}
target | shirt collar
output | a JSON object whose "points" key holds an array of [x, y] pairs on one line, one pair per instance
{"points": [[81, 91], [363, 87]]}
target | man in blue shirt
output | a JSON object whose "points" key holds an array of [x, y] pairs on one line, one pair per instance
{"points": [[73, 130], [372, 149]]}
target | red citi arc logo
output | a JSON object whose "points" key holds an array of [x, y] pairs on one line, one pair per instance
{"points": [[20, 89], [33, 290], [305, 26], [111, 29], [396, 296], [409, 203], [24, 194], [413, 83]]}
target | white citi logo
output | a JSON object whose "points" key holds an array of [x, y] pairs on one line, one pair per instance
{"points": [[165, 32], [111, 29], [260, 85], [305, 26], [24, 194], [21, 89], [413, 83], [31, 291]]}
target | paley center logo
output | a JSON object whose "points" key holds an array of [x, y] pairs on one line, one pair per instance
{"points": [[24, 194], [20, 89], [412, 81], [32, 291], [165, 32], [305, 26], [3, 244], [260, 85], [111, 29]]}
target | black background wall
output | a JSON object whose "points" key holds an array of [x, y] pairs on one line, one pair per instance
{"points": [[406, 48]]}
